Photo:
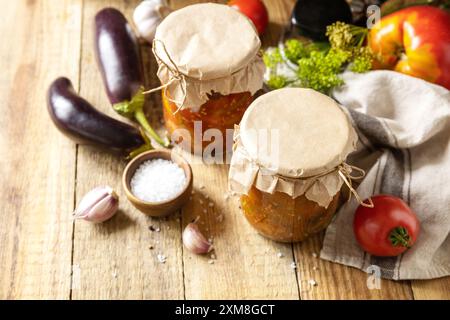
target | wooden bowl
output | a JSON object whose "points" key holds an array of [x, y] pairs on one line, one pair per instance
{"points": [[162, 208]]}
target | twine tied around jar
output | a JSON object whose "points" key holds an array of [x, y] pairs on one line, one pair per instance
{"points": [[175, 75], [344, 171]]}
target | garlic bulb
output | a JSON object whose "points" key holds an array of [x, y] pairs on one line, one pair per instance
{"points": [[98, 205], [194, 240], [147, 16]]}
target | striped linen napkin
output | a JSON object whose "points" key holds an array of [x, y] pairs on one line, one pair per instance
{"points": [[403, 124]]}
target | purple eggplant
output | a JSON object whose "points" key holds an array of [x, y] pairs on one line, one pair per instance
{"points": [[117, 52], [80, 121]]}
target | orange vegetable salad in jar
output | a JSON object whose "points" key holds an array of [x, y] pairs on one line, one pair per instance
{"points": [[289, 163], [210, 68]]}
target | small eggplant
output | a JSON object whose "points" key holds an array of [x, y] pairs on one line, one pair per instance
{"points": [[117, 54], [80, 121]]}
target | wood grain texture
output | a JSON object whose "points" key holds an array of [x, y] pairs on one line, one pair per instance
{"points": [[37, 162], [334, 281], [44, 254], [247, 265], [113, 260], [436, 289]]}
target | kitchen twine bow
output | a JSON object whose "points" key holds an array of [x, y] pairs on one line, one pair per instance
{"points": [[175, 75], [344, 170]]}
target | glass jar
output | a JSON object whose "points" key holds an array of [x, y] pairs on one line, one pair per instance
{"points": [[210, 67], [289, 164], [280, 217]]}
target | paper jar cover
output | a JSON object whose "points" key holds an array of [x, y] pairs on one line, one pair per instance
{"points": [[213, 47], [292, 140]]}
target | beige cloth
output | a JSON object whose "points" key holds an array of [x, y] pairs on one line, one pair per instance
{"points": [[205, 48], [403, 125]]}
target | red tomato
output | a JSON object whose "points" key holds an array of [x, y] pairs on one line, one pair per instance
{"points": [[387, 229], [255, 10]]}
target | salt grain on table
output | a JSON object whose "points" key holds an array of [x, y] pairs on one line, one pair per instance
{"points": [[312, 282], [157, 180], [161, 258]]}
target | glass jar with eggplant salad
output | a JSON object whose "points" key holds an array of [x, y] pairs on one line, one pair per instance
{"points": [[210, 69], [289, 163]]}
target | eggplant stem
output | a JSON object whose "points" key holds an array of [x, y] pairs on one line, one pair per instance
{"points": [[138, 151], [142, 119]]}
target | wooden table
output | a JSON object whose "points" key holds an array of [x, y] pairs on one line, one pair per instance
{"points": [[45, 254]]}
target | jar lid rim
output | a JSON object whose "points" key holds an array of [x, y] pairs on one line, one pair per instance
{"points": [[297, 132]]}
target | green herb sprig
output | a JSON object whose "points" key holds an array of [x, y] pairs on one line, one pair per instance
{"points": [[319, 65]]}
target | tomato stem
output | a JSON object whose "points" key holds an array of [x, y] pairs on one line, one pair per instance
{"points": [[399, 237]]}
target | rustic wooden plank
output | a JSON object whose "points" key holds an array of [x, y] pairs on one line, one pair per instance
{"points": [[246, 265], [40, 41], [113, 260], [334, 281], [436, 289]]}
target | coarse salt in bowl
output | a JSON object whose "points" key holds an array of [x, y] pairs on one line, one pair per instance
{"points": [[158, 180]]}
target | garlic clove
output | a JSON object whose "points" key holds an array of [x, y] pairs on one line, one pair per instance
{"points": [[147, 29], [147, 16], [98, 205], [89, 200], [194, 240], [104, 209]]}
